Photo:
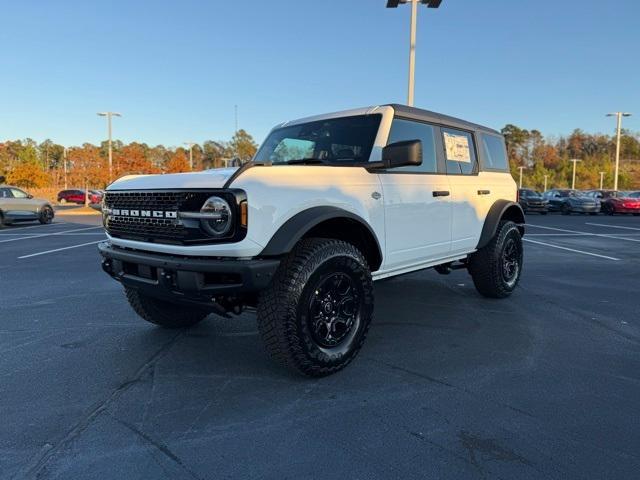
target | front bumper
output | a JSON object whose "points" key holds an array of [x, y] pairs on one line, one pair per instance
{"points": [[186, 279]]}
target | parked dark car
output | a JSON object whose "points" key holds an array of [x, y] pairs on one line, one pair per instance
{"points": [[569, 201], [532, 201], [77, 196], [622, 202]]}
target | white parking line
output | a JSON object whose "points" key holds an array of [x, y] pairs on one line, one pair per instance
{"points": [[49, 234], [586, 233], [59, 249], [571, 249], [40, 226], [612, 226]]}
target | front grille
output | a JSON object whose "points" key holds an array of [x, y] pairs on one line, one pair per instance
{"points": [[160, 230]]}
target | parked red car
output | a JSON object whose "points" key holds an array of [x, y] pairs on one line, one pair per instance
{"points": [[77, 196], [624, 202]]}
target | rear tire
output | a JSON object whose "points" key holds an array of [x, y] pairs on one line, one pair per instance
{"points": [[164, 314], [2, 224], [315, 314], [496, 268], [566, 209]]}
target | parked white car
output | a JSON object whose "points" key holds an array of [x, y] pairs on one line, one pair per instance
{"points": [[329, 204]]}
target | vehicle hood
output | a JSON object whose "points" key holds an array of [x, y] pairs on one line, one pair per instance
{"points": [[213, 178]]}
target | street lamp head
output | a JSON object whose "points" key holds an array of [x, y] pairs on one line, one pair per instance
{"points": [[428, 3], [626, 114], [102, 114]]}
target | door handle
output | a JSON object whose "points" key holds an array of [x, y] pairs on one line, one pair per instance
{"points": [[441, 193], [484, 192]]}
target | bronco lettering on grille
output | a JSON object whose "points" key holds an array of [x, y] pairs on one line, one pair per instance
{"points": [[122, 212]]}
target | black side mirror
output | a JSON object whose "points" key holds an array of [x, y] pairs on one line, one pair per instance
{"points": [[402, 154], [29, 196]]}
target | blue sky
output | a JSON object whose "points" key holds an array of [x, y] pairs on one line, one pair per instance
{"points": [[176, 69]]}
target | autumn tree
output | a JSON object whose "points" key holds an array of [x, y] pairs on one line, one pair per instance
{"points": [[241, 146], [132, 159], [179, 162]]}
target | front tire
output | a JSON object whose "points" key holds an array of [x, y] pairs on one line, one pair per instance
{"points": [[315, 314], [164, 314], [566, 209], [496, 268]]}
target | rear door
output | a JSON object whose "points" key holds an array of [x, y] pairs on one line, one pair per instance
{"points": [[416, 202], [469, 196]]}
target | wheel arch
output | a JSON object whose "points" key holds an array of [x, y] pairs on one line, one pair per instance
{"points": [[326, 222], [501, 210]]}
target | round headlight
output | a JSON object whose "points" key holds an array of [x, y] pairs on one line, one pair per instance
{"points": [[216, 216]]}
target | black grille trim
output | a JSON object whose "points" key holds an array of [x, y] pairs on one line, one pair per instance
{"points": [[174, 231]]}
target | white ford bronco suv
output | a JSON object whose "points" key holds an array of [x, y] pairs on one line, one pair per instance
{"points": [[328, 205]]}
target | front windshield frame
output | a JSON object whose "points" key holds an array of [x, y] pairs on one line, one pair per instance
{"points": [[315, 143]]}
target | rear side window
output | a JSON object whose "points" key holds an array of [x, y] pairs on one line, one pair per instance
{"points": [[495, 154], [5, 193], [459, 152], [402, 130]]}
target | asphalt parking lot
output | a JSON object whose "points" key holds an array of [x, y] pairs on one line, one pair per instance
{"points": [[451, 385]]}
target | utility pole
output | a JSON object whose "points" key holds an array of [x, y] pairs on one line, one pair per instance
{"points": [[601, 179], [190, 145], [545, 182], [109, 115], [619, 116], [412, 38], [520, 183], [235, 108], [573, 181], [64, 164]]}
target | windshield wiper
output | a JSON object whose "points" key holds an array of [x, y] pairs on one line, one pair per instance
{"points": [[306, 161]]}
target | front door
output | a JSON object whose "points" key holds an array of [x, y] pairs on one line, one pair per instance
{"points": [[417, 203]]}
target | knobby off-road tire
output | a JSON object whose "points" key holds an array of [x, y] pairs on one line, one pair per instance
{"points": [[315, 314], [496, 267], [165, 314]]}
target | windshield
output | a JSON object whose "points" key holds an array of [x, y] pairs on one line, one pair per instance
{"points": [[336, 141]]}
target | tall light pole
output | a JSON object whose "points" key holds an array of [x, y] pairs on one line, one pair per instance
{"points": [[109, 115], [412, 37], [520, 182], [601, 180], [573, 181], [619, 116], [64, 164], [545, 182], [190, 145]]}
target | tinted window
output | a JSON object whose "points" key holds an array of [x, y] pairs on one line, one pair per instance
{"points": [[495, 156], [459, 152], [407, 130], [5, 193]]}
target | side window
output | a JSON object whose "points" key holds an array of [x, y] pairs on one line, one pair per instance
{"points": [[18, 193], [402, 130], [5, 193], [495, 154], [459, 152]]}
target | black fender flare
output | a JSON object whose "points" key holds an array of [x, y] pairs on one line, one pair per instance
{"points": [[497, 211], [296, 227]]}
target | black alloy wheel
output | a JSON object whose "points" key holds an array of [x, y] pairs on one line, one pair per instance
{"points": [[334, 310]]}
